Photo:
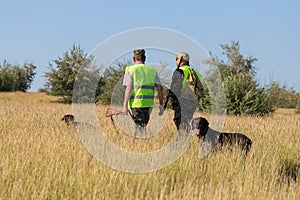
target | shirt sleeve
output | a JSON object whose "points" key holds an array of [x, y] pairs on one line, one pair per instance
{"points": [[127, 81], [157, 80]]}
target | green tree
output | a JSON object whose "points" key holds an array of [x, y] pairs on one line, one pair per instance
{"points": [[63, 71], [16, 78], [243, 94], [282, 96], [111, 86]]}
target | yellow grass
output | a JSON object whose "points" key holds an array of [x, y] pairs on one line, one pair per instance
{"points": [[43, 158]]}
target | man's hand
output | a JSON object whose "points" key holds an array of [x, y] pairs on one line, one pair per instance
{"points": [[111, 112], [124, 111], [161, 110]]}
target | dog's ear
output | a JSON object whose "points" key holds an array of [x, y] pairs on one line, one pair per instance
{"points": [[203, 123], [206, 122]]}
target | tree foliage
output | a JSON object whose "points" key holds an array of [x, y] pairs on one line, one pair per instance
{"points": [[243, 94], [111, 86], [282, 96], [63, 72], [16, 78]]}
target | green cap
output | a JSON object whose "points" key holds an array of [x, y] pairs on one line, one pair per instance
{"points": [[139, 53]]}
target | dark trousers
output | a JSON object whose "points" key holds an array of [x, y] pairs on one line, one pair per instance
{"points": [[141, 116], [183, 112]]}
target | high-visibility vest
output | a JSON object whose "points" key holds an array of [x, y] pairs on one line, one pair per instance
{"points": [[187, 90], [143, 77]]}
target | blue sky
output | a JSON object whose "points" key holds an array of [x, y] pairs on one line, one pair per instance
{"points": [[41, 31]]}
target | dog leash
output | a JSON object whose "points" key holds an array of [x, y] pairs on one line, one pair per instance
{"points": [[113, 121]]}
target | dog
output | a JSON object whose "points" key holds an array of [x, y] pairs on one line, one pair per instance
{"points": [[201, 127], [68, 119]]}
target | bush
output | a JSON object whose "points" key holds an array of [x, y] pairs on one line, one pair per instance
{"points": [[63, 72], [298, 104], [111, 85], [282, 96], [242, 92], [16, 78]]}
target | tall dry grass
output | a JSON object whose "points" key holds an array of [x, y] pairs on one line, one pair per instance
{"points": [[43, 158]]}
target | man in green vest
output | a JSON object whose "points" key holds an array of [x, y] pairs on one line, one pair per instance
{"points": [[185, 92], [140, 81]]}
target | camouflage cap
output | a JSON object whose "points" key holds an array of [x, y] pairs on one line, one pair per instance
{"points": [[184, 56], [139, 53]]}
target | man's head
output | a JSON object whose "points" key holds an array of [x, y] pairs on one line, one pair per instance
{"points": [[139, 55], [182, 58]]}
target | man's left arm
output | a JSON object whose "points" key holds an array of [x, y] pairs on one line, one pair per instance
{"points": [[160, 95], [160, 92]]}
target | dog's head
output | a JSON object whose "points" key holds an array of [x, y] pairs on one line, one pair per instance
{"points": [[200, 125], [69, 119]]}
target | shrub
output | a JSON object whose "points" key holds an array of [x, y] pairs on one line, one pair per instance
{"points": [[16, 78], [242, 92]]}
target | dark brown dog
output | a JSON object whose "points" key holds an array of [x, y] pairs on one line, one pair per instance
{"points": [[201, 127], [69, 119]]}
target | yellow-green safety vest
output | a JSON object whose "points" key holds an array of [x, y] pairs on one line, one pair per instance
{"points": [[143, 77], [186, 93]]}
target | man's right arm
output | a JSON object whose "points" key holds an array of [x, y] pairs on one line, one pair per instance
{"points": [[127, 82], [126, 98]]}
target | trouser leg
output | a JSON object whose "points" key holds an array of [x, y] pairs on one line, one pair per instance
{"points": [[177, 113], [141, 118], [187, 112]]}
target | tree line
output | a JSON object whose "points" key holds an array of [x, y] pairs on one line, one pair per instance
{"points": [[243, 93], [15, 77]]}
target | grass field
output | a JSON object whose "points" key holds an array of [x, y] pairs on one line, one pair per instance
{"points": [[43, 158]]}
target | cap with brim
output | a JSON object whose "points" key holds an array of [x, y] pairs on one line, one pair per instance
{"points": [[139, 53]]}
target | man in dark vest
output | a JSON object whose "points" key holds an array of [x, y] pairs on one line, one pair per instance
{"points": [[183, 94]]}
